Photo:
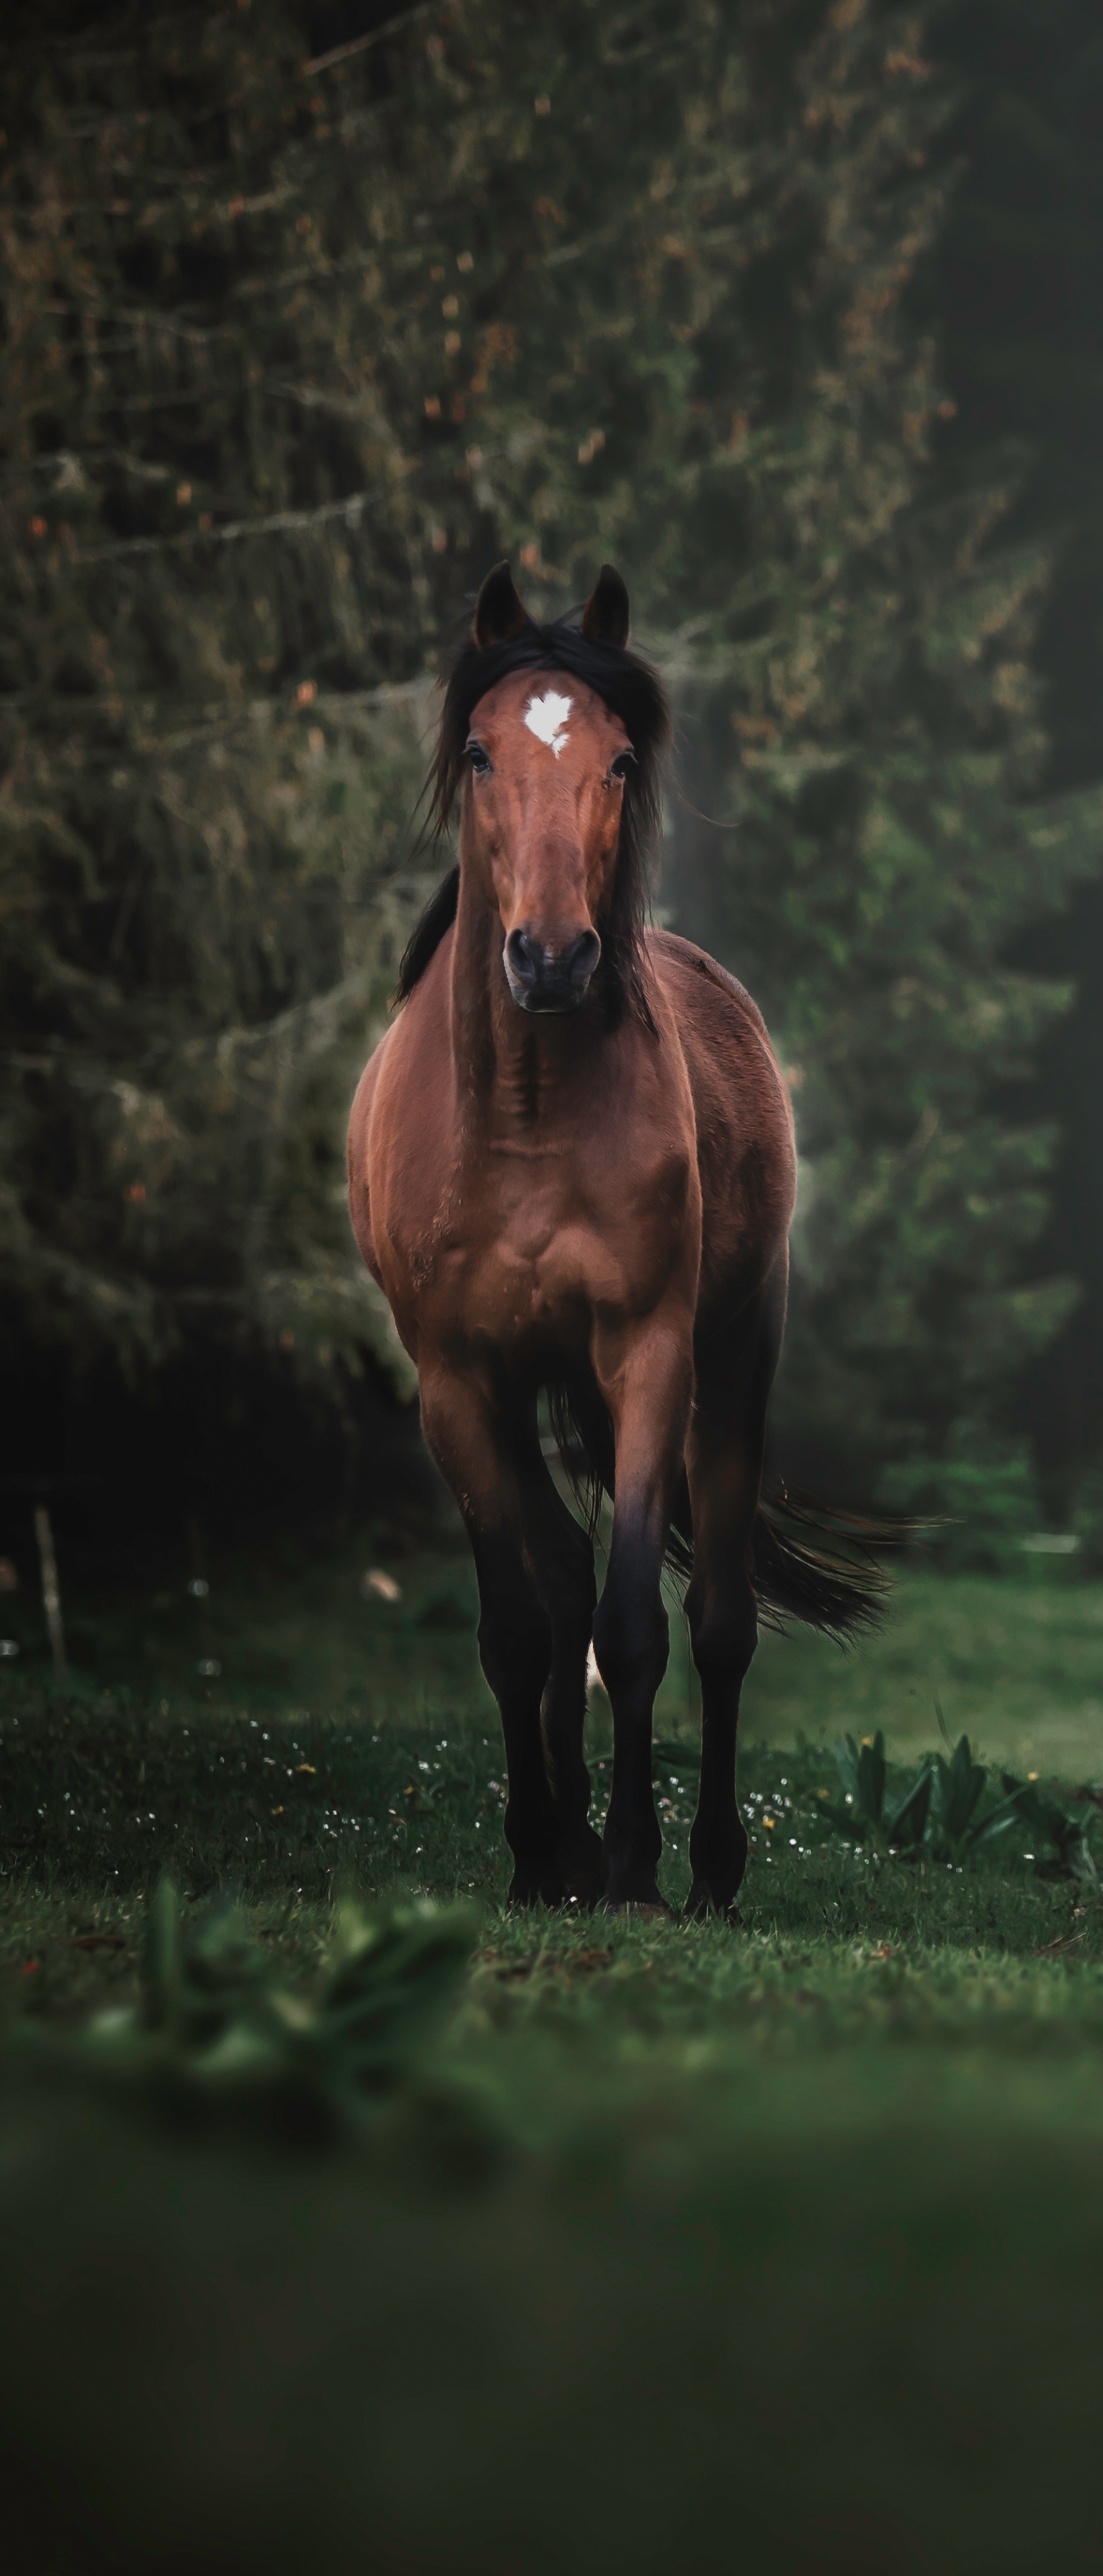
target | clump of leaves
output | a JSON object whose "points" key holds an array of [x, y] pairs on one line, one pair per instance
{"points": [[863, 1773], [213, 2028], [958, 1827], [944, 1812], [1061, 1833]]}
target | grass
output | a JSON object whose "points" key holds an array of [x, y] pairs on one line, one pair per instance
{"points": [[780, 2244], [1018, 1666]]}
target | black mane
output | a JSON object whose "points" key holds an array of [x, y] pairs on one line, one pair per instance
{"points": [[635, 693]]}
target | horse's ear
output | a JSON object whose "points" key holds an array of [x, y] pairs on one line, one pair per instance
{"points": [[499, 613], [605, 616]]}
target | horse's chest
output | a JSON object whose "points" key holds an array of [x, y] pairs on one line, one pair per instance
{"points": [[515, 1251]]}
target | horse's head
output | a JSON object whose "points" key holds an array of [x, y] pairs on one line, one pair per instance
{"points": [[547, 761], [555, 735]]}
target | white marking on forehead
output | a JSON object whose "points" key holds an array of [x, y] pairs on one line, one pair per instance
{"points": [[546, 717]]}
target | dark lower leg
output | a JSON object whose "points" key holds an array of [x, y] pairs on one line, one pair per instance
{"points": [[560, 1559], [631, 1642], [718, 1840], [723, 1644], [515, 1651], [473, 1438], [724, 1461]]}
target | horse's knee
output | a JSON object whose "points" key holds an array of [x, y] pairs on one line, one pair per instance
{"points": [[515, 1652], [723, 1633], [514, 1633], [568, 1593], [631, 1640]]}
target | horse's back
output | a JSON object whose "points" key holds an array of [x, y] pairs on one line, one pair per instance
{"points": [[745, 1145]]}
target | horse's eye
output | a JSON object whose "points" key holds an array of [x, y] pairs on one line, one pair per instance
{"points": [[479, 759], [620, 767]]}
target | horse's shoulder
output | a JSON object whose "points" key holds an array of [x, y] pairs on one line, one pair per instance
{"points": [[733, 1071], [683, 965], [365, 1089], [357, 1147]]}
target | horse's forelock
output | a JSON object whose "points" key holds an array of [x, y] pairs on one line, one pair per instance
{"points": [[628, 685], [634, 692]]}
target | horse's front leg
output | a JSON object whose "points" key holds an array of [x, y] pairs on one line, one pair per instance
{"points": [[469, 1441], [560, 1559], [646, 1378]]}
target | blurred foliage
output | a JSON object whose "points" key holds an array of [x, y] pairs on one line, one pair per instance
{"points": [[1014, 288], [851, 2182], [293, 351], [1062, 1832], [215, 2033], [1087, 1518], [979, 1498]]}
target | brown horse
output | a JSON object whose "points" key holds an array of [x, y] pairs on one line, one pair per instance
{"points": [[571, 1168]]}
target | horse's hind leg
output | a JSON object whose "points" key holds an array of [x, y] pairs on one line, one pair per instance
{"points": [[724, 1461], [472, 1448]]}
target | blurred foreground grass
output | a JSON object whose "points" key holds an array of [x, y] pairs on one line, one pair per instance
{"points": [[781, 2245], [784, 2247]]}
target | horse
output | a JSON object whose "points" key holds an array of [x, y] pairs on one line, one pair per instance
{"points": [[572, 1171]]}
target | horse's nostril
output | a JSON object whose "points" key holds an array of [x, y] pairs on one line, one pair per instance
{"points": [[524, 956], [579, 960]]}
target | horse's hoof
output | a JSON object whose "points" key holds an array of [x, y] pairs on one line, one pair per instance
{"points": [[580, 1872], [701, 1904], [575, 1880], [645, 1908]]}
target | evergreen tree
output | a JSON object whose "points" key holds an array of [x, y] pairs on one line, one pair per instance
{"points": [[746, 422], [206, 769], [295, 349], [1017, 285]]}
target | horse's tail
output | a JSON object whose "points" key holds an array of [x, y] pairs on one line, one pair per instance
{"points": [[834, 1584]]}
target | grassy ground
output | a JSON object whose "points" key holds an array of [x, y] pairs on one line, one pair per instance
{"points": [[1018, 1665], [781, 2245]]}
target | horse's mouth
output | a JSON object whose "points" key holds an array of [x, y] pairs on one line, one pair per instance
{"points": [[550, 1006]]}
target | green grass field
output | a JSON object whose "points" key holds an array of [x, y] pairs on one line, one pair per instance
{"points": [[1018, 1665], [780, 2245]]}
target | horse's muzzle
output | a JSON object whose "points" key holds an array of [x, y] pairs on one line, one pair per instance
{"points": [[550, 979]]}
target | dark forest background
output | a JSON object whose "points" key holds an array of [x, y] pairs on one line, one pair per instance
{"points": [[794, 312]]}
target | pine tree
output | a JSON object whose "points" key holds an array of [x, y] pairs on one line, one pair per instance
{"points": [[888, 837], [714, 372], [1016, 283], [206, 767], [297, 349]]}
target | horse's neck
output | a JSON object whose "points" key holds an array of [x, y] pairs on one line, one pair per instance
{"points": [[516, 1072]]}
